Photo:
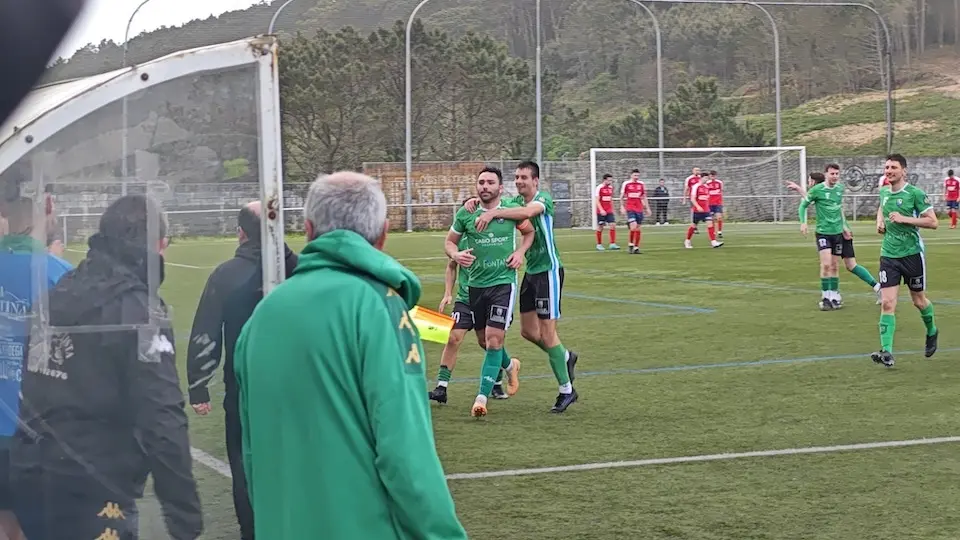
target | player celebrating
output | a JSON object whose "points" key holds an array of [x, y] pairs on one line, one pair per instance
{"points": [[715, 185], [951, 193], [903, 211], [543, 281], [633, 202], [688, 185], [700, 202], [834, 237], [463, 323], [492, 262], [603, 202]]}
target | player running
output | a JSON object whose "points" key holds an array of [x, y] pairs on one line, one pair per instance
{"points": [[633, 202], [951, 194], [715, 185], [700, 205], [492, 260], [834, 237], [903, 211], [543, 281], [688, 185], [603, 203], [456, 275]]}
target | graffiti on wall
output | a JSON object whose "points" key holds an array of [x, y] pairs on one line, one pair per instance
{"points": [[857, 180]]}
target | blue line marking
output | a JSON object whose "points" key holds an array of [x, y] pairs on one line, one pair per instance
{"points": [[696, 367]]}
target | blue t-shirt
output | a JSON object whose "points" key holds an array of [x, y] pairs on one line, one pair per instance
{"points": [[17, 254]]}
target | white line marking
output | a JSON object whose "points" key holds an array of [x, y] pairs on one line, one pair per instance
{"points": [[192, 267], [206, 459], [703, 458]]}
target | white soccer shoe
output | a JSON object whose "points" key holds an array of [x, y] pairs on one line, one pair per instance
{"points": [[688, 244]]}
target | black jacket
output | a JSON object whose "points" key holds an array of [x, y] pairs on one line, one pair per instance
{"points": [[232, 292], [660, 193], [104, 406]]}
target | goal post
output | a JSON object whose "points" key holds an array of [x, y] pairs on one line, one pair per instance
{"points": [[754, 178]]}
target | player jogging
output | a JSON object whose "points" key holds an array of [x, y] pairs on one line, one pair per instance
{"points": [[543, 281], [715, 185], [951, 194], [491, 260], [688, 185], [633, 202], [463, 323], [603, 203], [834, 237], [700, 206], [903, 211]]}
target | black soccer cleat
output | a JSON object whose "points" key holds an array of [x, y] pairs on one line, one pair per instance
{"points": [[931, 346], [825, 305], [836, 304], [564, 401], [719, 234], [635, 251], [498, 393], [438, 394], [572, 364], [882, 357]]}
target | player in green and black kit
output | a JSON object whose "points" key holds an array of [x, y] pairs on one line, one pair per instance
{"points": [[543, 280], [456, 275], [834, 237], [903, 210], [491, 259]]}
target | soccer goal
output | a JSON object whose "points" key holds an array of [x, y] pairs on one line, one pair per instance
{"points": [[754, 178]]}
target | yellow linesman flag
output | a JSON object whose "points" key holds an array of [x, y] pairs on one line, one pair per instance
{"points": [[432, 325]]}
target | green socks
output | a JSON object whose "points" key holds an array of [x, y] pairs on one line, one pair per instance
{"points": [[824, 285], [864, 275], [542, 347], [888, 325], [443, 376], [491, 368], [834, 284], [558, 363], [927, 315], [504, 365]]}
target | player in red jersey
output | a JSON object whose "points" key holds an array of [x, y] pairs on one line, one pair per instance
{"points": [[688, 184], [633, 202], [715, 186], [700, 205], [603, 204], [951, 193]]}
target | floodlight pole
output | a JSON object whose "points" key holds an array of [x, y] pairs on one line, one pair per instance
{"points": [[539, 97], [124, 113], [656, 29], [276, 14]]}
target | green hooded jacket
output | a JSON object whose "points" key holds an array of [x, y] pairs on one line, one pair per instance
{"points": [[337, 434]]}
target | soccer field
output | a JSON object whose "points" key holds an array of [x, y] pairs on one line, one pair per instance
{"points": [[683, 353]]}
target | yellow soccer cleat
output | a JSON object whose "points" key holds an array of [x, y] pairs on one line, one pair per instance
{"points": [[513, 376]]}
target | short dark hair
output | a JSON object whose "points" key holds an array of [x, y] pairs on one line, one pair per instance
{"points": [[817, 177], [635, 171], [899, 159], [950, 172], [127, 217], [532, 165], [608, 175], [249, 223], [713, 172], [833, 166], [493, 170]]}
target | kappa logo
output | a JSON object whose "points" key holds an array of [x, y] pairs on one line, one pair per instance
{"points": [[916, 282], [61, 348], [899, 202], [111, 511], [498, 314], [160, 344]]}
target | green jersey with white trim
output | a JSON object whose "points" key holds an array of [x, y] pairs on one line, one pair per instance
{"points": [[491, 247], [542, 255], [829, 201], [902, 240]]}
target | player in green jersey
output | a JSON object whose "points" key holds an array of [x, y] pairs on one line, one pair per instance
{"points": [[543, 281], [834, 237], [903, 211], [456, 276], [491, 259]]}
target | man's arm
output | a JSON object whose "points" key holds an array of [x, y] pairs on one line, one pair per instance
{"points": [[520, 213], [450, 244], [646, 204], [449, 281], [157, 403], [526, 229], [881, 224], [206, 341], [686, 191], [290, 260], [393, 379], [926, 220]]}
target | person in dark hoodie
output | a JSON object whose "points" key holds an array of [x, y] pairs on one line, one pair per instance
{"points": [[232, 292], [101, 402]]}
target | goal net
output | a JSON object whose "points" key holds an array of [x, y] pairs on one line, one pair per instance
{"points": [[754, 179]]}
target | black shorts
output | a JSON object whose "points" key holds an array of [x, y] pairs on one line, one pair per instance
{"points": [[701, 217], [541, 293], [911, 270], [462, 316], [492, 306], [837, 244]]}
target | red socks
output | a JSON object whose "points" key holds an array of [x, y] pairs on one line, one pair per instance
{"points": [[613, 235], [712, 233], [599, 237], [690, 230], [953, 218], [635, 237], [720, 225]]}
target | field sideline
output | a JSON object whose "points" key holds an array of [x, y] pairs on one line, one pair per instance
{"points": [[716, 400]]}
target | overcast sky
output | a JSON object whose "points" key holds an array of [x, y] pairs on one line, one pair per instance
{"points": [[107, 19]]}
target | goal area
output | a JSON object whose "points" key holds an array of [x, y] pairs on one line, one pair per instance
{"points": [[754, 179]]}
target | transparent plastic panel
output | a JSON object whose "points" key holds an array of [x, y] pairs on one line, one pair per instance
{"points": [[109, 231]]}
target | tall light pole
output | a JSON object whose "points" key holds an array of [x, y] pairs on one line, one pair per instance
{"points": [[124, 112], [539, 94], [656, 29], [276, 14]]}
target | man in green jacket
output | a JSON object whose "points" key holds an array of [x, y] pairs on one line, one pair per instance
{"points": [[337, 435]]}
